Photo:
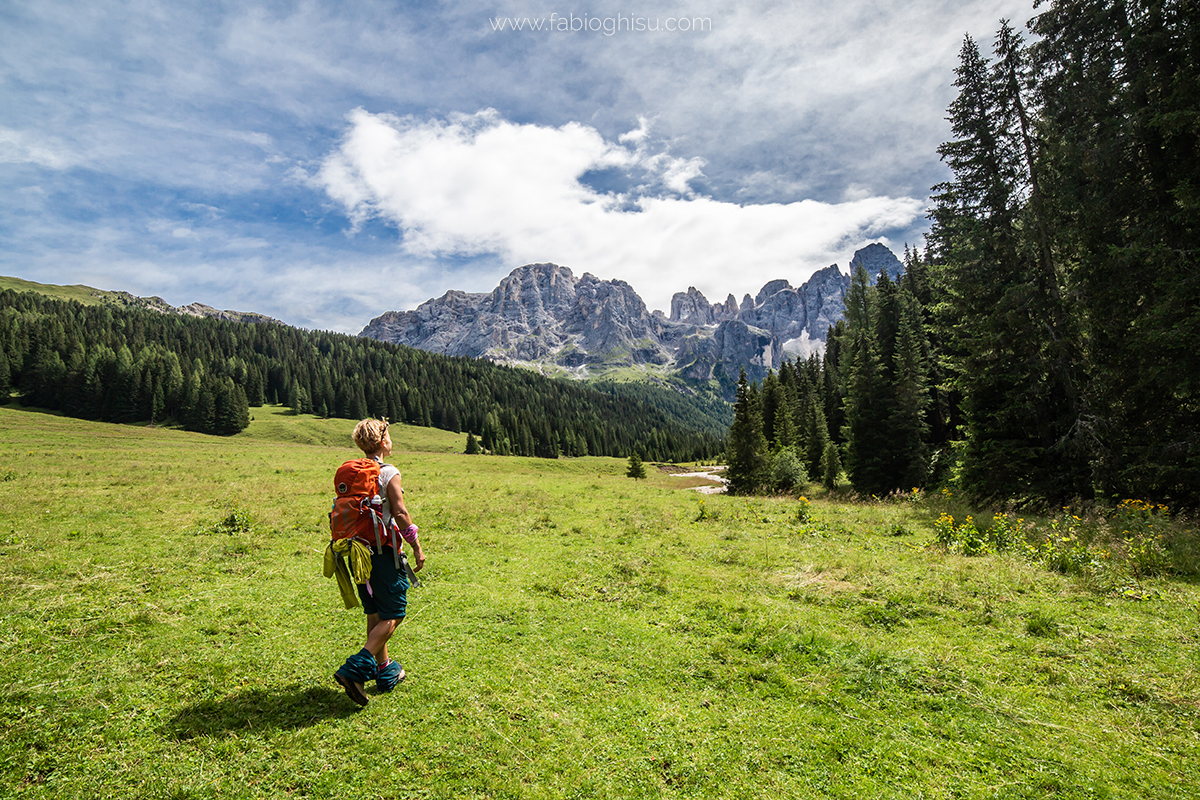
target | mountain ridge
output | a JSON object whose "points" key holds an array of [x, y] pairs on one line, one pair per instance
{"points": [[89, 295], [541, 315]]}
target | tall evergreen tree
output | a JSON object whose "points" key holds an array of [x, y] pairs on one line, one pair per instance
{"points": [[868, 401], [1001, 327], [1120, 129], [909, 425], [746, 448], [831, 466], [770, 401]]}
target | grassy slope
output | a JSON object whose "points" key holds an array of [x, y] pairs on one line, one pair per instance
{"points": [[78, 292], [578, 634]]}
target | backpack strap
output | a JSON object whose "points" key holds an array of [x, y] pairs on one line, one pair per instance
{"points": [[374, 507]]}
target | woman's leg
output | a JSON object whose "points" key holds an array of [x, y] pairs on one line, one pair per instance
{"points": [[378, 632], [379, 650]]}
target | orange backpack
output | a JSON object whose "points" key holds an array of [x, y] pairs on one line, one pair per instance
{"points": [[357, 509]]}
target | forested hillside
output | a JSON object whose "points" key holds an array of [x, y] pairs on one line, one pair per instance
{"points": [[1046, 341], [127, 365]]}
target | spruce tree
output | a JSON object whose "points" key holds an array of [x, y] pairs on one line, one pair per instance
{"points": [[746, 448], [909, 423], [636, 469], [1119, 129], [817, 439], [5, 385], [831, 466], [1001, 321], [868, 398], [772, 404]]}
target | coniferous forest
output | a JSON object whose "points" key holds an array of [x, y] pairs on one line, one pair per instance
{"points": [[129, 365], [1043, 347]]}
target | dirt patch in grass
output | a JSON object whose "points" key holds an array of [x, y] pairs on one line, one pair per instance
{"points": [[811, 577]]}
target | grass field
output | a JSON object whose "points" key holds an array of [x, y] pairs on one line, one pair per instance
{"points": [[165, 632]]}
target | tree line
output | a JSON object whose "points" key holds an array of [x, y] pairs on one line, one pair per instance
{"points": [[871, 406], [1044, 345], [125, 365]]}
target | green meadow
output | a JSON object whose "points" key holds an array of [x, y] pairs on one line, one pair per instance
{"points": [[165, 632]]}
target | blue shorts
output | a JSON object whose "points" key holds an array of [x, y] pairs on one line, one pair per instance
{"points": [[389, 587]]}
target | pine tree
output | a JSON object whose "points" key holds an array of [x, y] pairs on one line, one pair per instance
{"points": [[832, 387], [771, 404], [157, 404], [473, 447], [909, 424], [294, 397], [868, 397], [203, 417], [1001, 322], [5, 385], [1119, 129], [817, 439], [746, 448], [635, 470]]}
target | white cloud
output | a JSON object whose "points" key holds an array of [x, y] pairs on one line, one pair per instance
{"points": [[111, 110], [478, 184], [20, 148]]}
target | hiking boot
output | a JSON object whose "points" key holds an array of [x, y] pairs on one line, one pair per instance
{"points": [[353, 690], [358, 669], [389, 675]]}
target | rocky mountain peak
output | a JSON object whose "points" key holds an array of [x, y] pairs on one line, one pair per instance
{"points": [[692, 306], [876, 258], [543, 314], [771, 288]]}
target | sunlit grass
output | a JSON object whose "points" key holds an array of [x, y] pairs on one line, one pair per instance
{"points": [[579, 634]]}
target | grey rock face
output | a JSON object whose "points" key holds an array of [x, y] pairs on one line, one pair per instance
{"points": [[201, 310], [542, 313], [161, 306], [745, 346], [772, 288], [876, 258], [693, 307]]}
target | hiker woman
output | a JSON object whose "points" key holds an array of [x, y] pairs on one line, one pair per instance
{"points": [[384, 597]]}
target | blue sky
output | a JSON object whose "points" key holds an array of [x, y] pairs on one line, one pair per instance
{"points": [[323, 163]]}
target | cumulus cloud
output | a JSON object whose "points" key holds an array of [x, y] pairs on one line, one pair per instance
{"points": [[168, 147], [476, 184]]}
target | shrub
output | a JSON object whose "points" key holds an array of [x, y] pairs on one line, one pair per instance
{"points": [[787, 473]]}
